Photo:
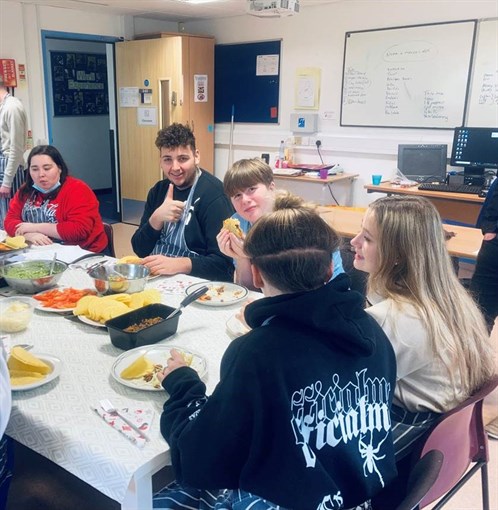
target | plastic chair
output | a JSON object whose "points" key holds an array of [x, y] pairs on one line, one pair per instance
{"points": [[459, 439], [110, 239]]}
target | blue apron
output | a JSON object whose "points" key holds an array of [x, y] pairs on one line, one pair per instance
{"points": [[42, 213], [172, 242]]}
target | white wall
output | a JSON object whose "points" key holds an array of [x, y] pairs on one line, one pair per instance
{"points": [[315, 38]]}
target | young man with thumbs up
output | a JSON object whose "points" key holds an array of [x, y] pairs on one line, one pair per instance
{"points": [[183, 213]]}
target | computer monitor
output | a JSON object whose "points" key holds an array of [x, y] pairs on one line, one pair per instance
{"points": [[423, 163], [475, 149]]}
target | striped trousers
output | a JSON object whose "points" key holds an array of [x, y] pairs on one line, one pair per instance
{"points": [[16, 184], [176, 497]]}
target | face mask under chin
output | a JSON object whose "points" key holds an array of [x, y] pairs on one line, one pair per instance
{"points": [[45, 191]]}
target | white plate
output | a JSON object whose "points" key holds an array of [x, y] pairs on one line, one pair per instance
{"points": [[235, 328], [86, 320], [157, 354], [39, 304], [221, 293], [56, 365]]}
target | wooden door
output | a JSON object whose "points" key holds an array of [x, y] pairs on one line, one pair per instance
{"points": [[155, 60], [198, 59]]}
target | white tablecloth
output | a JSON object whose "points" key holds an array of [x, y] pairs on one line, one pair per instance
{"points": [[57, 420]]}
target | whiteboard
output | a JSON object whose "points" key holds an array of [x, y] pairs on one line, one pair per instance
{"points": [[483, 102], [415, 76]]}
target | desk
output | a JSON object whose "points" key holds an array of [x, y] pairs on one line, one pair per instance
{"points": [[326, 183], [460, 207], [56, 420], [465, 243]]}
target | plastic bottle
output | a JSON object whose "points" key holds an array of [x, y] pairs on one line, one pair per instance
{"points": [[281, 154]]}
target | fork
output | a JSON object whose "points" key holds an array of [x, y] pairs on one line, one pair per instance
{"points": [[107, 406]]}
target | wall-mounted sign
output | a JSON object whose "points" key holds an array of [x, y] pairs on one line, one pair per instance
{"points": [[8, 71], [200, 88], [79, 83], [147, 116]]}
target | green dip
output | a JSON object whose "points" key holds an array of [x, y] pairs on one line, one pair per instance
{"points": [[27, 271]]}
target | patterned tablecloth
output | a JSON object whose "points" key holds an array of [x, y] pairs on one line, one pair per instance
{"points": [[57, 419]]}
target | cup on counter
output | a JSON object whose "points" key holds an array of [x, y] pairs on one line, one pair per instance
{"points": [[376, 179], [324, 173]]}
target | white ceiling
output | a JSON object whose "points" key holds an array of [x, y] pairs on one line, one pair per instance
{"points": [[167, 10]]}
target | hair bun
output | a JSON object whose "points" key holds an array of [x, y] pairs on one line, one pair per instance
{"points": [[287, 200]]}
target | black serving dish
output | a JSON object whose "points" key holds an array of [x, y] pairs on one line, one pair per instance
{"points": [[150, 335]]}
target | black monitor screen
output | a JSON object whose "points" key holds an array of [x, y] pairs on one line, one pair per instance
{"points": [[423, 162], [475, 149]]}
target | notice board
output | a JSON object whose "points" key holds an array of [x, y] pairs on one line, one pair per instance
{"points": [[79, 83], [247, 82], [483, 102], [414, 76]]}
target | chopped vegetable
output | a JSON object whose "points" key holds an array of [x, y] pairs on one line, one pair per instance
{"points": [[63, 298]]}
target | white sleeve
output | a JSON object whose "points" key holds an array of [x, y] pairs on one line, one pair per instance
{"points": [[5, 392]]}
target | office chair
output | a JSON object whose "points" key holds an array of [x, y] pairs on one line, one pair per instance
{"points": [[457, 440], [110, 239]]}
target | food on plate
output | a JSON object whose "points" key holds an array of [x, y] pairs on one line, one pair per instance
{"points": [[130, 259], [138, 368], [102, 309], [219, 293], [16, 242], [21, 377], [142, 368], [25, 368], [214, 291], [15, 317], [63, 298], [233, 226]]}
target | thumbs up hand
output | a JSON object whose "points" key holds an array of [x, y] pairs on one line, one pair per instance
{"points": [[170, 211]]}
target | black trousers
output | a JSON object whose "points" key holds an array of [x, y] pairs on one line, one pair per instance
{"points": [[484, 283]]}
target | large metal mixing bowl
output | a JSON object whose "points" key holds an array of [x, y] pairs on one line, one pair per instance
{"points": [[117, 278], [17, 275]]}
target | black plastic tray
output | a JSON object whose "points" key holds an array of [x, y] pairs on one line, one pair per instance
{"points": [[147, 336]]}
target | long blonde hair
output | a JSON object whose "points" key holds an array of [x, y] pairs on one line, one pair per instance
{"points": [[414, 266]]}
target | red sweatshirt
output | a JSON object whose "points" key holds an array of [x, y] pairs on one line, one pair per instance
{"points": [[76, 214]]}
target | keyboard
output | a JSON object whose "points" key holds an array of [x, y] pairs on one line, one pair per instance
{"points": [[451, 188]]}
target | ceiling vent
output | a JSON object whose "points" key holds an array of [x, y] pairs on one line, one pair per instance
{"points": [[272, 8]]}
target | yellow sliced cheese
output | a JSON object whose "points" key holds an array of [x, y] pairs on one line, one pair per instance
{"points": [[138, 368], [20, 359]]}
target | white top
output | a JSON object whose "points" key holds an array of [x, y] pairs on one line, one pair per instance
{"points": [[5, 393], [424, 383], [13, 130]]}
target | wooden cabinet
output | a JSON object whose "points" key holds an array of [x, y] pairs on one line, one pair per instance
{"points": [[169, 64]]}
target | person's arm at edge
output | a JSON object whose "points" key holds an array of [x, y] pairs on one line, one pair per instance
{"points": [[489, 223], [145, 237], [13, 216], [214, 265]]}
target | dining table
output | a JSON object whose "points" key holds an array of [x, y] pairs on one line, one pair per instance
{"points": [[58, 419]]}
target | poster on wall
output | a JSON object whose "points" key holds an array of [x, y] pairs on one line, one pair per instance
{"points": [[79, 83]]}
